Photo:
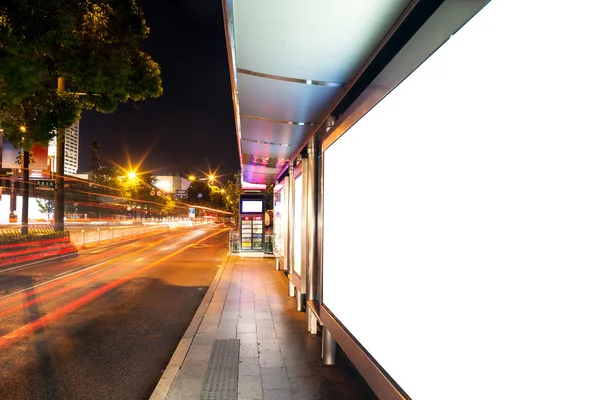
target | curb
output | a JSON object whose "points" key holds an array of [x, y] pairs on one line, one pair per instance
{"points": [[166, 380]]}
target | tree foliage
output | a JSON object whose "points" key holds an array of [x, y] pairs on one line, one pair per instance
{"points": [[45, 206], [92, 44], [231, 197]]}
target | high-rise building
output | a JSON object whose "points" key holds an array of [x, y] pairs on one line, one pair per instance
{"points": [[71, 150]]}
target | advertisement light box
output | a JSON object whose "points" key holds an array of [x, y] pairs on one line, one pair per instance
{"points": [[252, 206], [481, 282]]}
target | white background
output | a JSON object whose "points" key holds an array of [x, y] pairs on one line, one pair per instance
{"points": [[479, 278]]}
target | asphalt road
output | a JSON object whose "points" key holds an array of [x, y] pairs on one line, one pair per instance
{"points": [[104, 324]]}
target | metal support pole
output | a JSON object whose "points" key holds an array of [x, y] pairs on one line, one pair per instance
{"points": [[329, 348], [311, 221], [59, 191], [290, 224], [291, 288], [300, 298], [25, 192], [13, 197]]}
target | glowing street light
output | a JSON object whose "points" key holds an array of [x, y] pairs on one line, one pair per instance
{"points": [[131, 175], [23, 129], [191, 178]]}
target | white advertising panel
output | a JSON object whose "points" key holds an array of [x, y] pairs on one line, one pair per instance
{"points": [[298, 225], [279, 217], [252, 206], [482, 279]]}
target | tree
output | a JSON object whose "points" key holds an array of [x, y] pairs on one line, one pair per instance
{"points": [[168, 204], [45, 206], [90, 44], [216, 196], [231, 197]]}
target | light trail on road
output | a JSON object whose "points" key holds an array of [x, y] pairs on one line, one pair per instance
{"points": [[53, 316], [70, 279]]}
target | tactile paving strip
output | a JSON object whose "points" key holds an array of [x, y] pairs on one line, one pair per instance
{"points": [[221, 380]]}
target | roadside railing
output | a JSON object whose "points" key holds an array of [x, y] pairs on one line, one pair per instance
{"points": [[269, 242], [89, 236], [11, 236], [234, 241]]}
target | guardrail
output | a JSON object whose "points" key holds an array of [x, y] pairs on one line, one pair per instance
{"points": [[10, 236], [269, 242], [88, 236], [234, 243]]}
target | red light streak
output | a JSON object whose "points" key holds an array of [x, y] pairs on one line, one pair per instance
{"points": [[32, 327], [66, 280]]}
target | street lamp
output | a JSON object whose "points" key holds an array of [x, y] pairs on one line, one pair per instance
{"points": [[131, 175]]}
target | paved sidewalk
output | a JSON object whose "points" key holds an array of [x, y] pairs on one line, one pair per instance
{"points": [[247, 341]]}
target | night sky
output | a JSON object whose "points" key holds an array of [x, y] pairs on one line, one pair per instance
{"points": [[190, 128]]}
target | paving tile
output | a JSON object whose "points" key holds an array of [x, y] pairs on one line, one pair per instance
{"points": [[274, 378], [249, 350], [305, 388], [249, 366], [328, 373], [279, 359], [228, 324], [199, 352], [249, 387], [247, 320], [268, 345], [246, 327], [266, 333], [270, 359], [230, 315], [247, 337], [277, 394], [203, 338], [264, 324], [185, 389], [339, 391], [291, 351], [193, 369], [226, 334], [298, 368]]}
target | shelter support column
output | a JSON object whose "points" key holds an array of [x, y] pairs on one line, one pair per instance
{"points": [[301, 163], [289, 251], [329, 348], [329, 345], [311, 196]]}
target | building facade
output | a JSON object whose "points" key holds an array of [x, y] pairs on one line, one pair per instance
{"points": [[71, 150]]}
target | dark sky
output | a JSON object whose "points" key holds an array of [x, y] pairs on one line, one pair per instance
{"points": [[190, 128]]}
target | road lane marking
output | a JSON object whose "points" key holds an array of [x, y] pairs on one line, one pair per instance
{"points": [[59, 276]]}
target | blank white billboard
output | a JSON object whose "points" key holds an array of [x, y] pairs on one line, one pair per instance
{"points": [[252, 206], [298, 221], [478, 274]]}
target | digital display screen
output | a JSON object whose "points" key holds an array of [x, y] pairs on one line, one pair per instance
{"points": [[252, 206]]}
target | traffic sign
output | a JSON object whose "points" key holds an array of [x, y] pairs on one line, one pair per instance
{"points": [[44, 184]]}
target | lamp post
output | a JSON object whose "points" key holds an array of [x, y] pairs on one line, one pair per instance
{"points": [[59, 191], [25, 205]]}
